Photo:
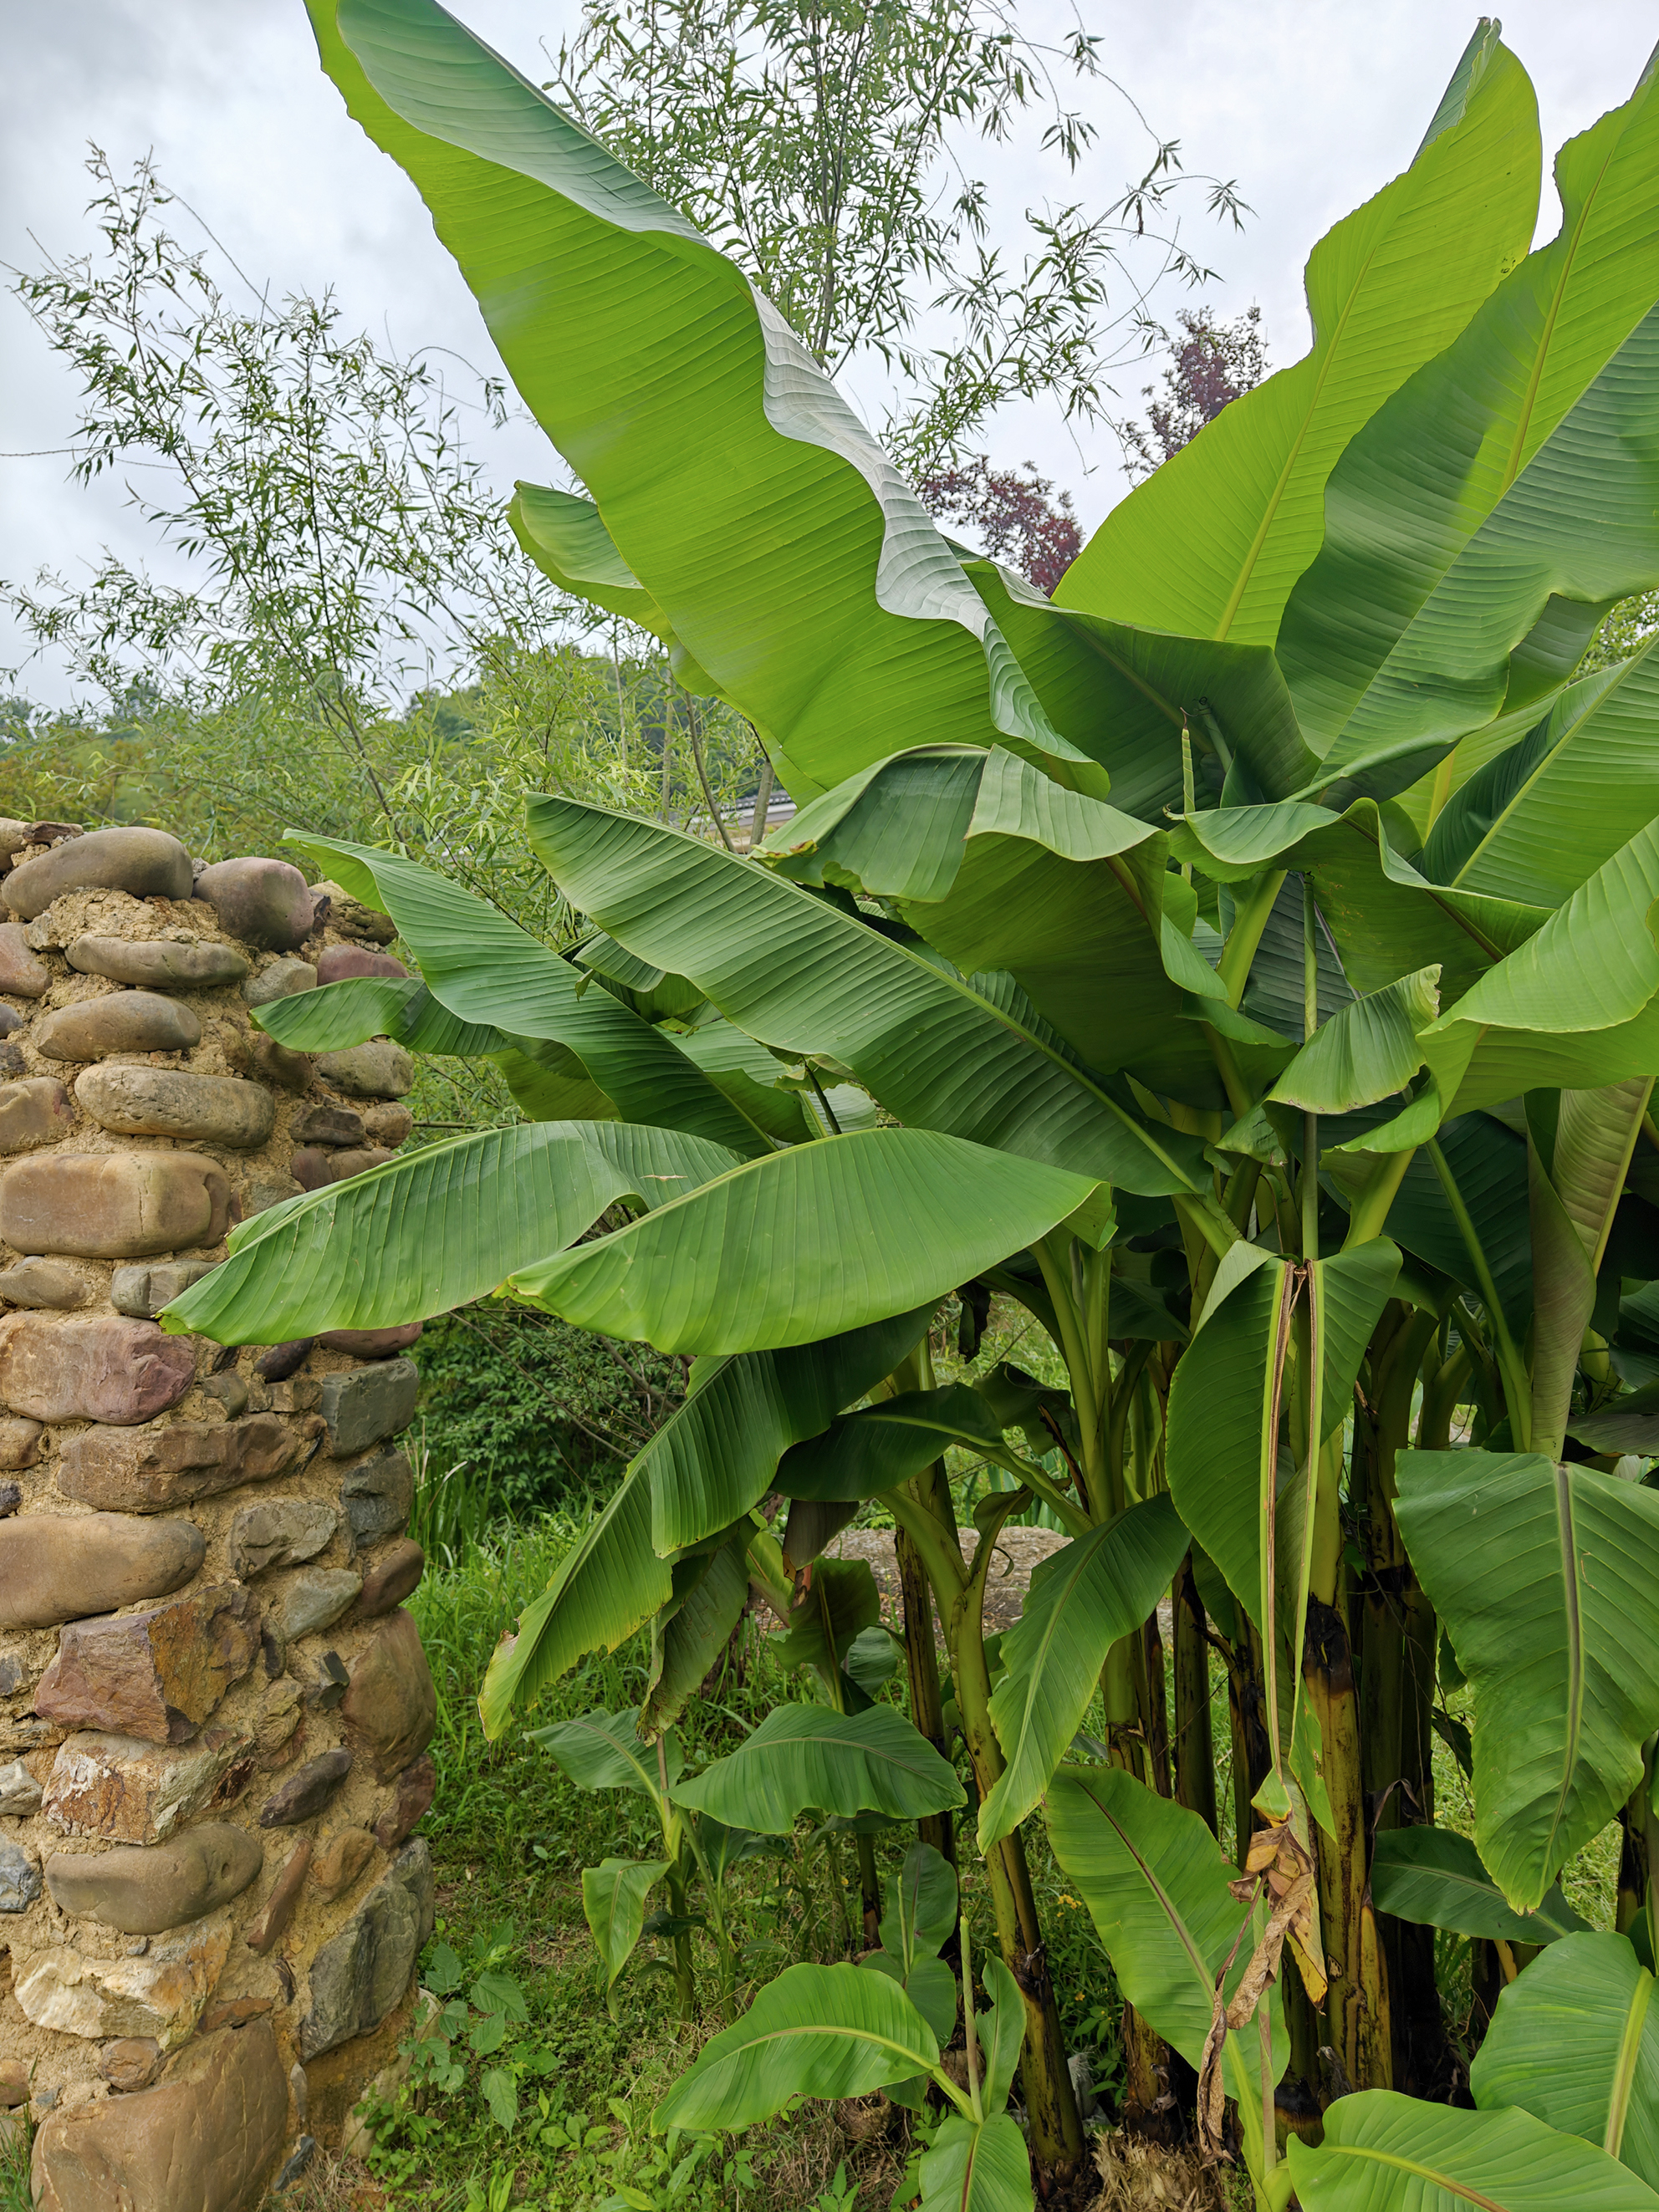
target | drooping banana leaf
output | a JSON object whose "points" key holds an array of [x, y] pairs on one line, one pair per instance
{"points": [[806, 1758], [688, 407], [434, 1228], [613, 1904], [1546, 812], [1157, 1889], [1365, 1052], [791, 970], [1082, 1599], [1385, 2153], [880, 1446], [1547, 1579], [827, 2032], [487, 971], [691, 1630], [1212, 544], [1435, 1877], [603, 1751], [1575, 2041], [871, 1225], [750, 1077], [840, 1602], [1512, 482], [338, 1015], [565, 538]]}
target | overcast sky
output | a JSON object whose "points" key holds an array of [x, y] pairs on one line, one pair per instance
{"points": [[1310, 105]]}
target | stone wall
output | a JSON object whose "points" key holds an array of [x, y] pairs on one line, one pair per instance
{"points": [[214, 1713]]}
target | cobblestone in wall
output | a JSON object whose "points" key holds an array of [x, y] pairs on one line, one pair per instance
{"points": [[213, 1711]]}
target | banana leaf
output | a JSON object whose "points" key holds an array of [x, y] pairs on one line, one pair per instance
{"points": [[804, 1758]]}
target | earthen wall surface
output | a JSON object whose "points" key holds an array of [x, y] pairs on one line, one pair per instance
{"points": [[214, 1709]]}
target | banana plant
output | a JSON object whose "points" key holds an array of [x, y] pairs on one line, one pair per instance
{"points": [[1244, 966]]}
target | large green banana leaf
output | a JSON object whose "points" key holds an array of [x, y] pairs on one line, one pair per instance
{"points": [[976, 2165], [1517, 469], [564, 535], [1575, 2041], [1384, 2152], [1435, 1877], [808, 1758], [609, 1583], [811, 1241], [1367, 1050], [830, 1615], [613, 1905], [603, 1751], [715, 1456], [880, 1446], [1485, 1164], [790, 969], [434, 1228], [1547, 1579], [829, 2032], [1573, 1007], [1157, 1889], [1081, 1600], [1543, 815], [342, 1014], [1212, 544], [487, 970], [689, 1633], [689, 408]]}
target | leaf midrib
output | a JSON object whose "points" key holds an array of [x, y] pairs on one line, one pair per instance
{"points": [[1572, 1601], [1463, 2190], [1624, 2072]]}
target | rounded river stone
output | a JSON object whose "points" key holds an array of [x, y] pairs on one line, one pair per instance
{"points": [[282, 979], [34, 1111], [121, 1021], [143, 1889], [56, 1567], [172, 1101], [262, 902], [145, 863], [342, 961], [114, 1205], [160, 962], [377, 1070], [103, 1367], [20, 973]]}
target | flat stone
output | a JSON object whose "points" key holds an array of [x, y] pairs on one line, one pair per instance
{"points": [[14, 1671], [161, 1994], [268, 1930], [372, 1343], [281, 978], [22, 973], [20, 1793], [172, 1102], [20, 1877], [391, 1707], [359, 1974], [417, 1787], [147, 1471], [388, 1123], [114, 1205], [339, 1862], [306, 1790], [379, 1069], [379, 1495], [158, 962], [303, 1394], [34, 1111], [278, 1361], [205, 2139], [158, 1674], [10, 1019], [20, 1442], [342, 961], [279, 1532], [131, 2062], [120, 1021], [329, 1124], [13, 1065], [43, 1283], [56, 1567], [11, 1497], [134, 1792], [259, 1195], [142, 1292], [144, 1889], [102, 1369], [263, 901], [360, 1408], [312, 1600], [388, 1581], [261, 1057], [279, 1718], [350, 916], [143, 863]]}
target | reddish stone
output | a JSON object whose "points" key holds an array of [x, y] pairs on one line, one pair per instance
{"points": [[342, 961], [311, 1170], [372, 1343], [144, 863], [306, 1792], [156, 1675], [389, 1580], [207, 2137], [417, 1786], [56, 1567], [339, 1862], [21, 975], [278, 1361], [263, 901], [114, 1205], [104, 1369], [391, 1707], [35, 1111], [132, 2062], [147, 1472], [265, 1933]]}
